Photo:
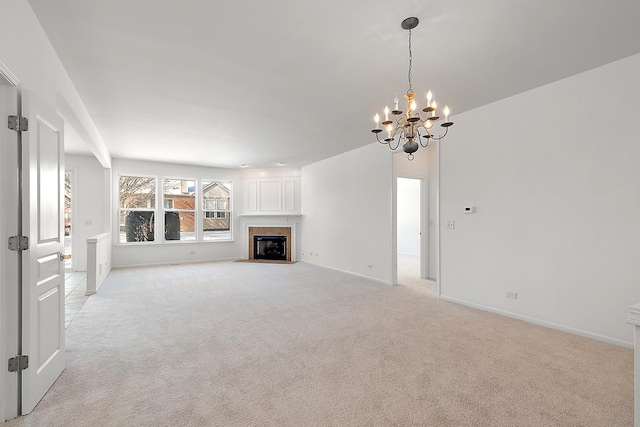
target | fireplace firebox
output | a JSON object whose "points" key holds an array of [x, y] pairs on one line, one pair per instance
{"points": [[270, 247]]}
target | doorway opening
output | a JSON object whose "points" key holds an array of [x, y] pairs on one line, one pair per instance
{"points": [[411, 240], [415, 219]]}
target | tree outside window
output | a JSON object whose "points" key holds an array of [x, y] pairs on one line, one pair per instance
{"points": [[137, 204], [179, 209]]}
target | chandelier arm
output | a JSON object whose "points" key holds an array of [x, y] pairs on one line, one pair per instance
{"points": [[419, 138], [393, 138], [446, 130], [389, 142]]}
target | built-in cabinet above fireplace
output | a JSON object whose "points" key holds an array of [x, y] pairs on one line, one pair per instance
{"points": [[272, 196]]}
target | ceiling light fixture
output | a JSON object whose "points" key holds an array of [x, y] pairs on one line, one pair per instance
{"points": [[411, 126]]}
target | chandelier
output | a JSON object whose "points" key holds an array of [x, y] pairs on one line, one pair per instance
{"points": [[410, 128]]}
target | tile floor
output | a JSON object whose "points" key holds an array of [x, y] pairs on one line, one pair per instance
{"points": [[75, 288]]}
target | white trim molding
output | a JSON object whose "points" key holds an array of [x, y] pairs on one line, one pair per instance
{"points": [[8, 75], [544, 323]]}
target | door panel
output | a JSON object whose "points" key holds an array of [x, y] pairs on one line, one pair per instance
{"points": [[43, 271]]}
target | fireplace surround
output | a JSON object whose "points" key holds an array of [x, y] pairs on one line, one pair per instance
{"points": [[281, 233]]}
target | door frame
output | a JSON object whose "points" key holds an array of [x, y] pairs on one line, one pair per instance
{"points": [[426, 236], [10, 318], [424, 229]]}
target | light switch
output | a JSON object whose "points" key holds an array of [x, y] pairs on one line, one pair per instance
{"points": [[451, 224]]}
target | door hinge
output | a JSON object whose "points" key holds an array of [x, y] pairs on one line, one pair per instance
{"points": [[18, 363], [18, 243], [18, 123]]}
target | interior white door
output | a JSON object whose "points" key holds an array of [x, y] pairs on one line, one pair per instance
{"points": [[42, 267]]}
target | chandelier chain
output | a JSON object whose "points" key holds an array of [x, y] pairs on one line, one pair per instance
{"points": [[410, 63]]}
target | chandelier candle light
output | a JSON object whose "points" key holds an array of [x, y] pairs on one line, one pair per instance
{"points": [[411, 126]]}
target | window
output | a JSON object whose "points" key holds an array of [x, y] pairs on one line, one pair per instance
{"points": [[216, 198], [179, 209], [173, 205], [137, 209]]}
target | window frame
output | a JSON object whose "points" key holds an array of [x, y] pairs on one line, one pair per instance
{"points": [[120, 210], [174, 209], [159, 210], [215, 212]]}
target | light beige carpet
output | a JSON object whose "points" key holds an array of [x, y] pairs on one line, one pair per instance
{"points": [[242, 344], [409, 275]]}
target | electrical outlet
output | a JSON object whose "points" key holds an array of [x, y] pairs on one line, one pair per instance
{"points": [[451, 225], [369, 265], [513, 295]]}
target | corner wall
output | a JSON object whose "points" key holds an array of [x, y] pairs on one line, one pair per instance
{"points": [[346, 212], [554, 175]]}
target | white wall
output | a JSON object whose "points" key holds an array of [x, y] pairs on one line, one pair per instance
{"points": [[98, 261], [88, 210], [346, 208], [27, 52], [28, 55], [409, 216], [554, 173]]}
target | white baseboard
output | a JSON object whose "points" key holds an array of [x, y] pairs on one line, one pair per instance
{"points": [[551, 325], [374, 279], [195, 261]]}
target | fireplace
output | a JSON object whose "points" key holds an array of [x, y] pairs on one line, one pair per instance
{"points": [[270, 247], [270, 243]]}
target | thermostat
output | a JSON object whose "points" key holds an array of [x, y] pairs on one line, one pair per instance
{"points": [[469, 209]]}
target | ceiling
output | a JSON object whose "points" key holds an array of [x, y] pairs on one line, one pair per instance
{"points": [[225, 83]]}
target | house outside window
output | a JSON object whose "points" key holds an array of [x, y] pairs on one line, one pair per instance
{"points": [[137, 209], [179, 197], [216, 207]]}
